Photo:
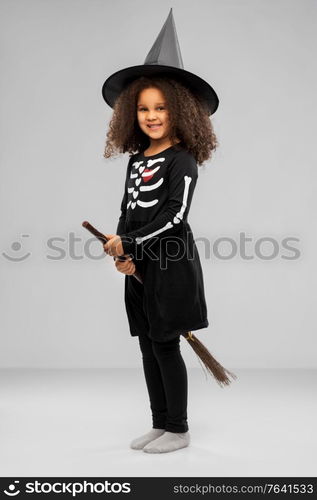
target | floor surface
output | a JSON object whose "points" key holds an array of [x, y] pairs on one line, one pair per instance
{"points": [[80, 423]]}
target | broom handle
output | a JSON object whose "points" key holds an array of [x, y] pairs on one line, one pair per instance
{"points": [[101, 237]]}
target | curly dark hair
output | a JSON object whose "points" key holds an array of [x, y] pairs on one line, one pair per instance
{"points": [[188, 117]]}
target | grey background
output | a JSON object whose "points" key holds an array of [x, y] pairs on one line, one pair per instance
{"points": [[260, 58]]}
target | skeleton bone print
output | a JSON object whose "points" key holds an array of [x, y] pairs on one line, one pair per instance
{"points": [[141, 176]]}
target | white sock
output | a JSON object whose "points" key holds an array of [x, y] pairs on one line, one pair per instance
{"points": [[169, 441], [140, 442]]}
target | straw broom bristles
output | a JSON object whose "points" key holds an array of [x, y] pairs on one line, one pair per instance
{"points": [[220, 373]]}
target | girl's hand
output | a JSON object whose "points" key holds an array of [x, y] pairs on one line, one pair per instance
{"points": [[113, 247], [125, 267]]}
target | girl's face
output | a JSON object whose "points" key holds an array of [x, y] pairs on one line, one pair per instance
{"points": [[152, 110]]}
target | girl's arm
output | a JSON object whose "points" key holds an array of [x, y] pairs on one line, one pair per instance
{"points": [[182, 178], [121, 223]]}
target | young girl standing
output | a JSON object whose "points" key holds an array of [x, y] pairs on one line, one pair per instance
{"points": [[162, 112]]}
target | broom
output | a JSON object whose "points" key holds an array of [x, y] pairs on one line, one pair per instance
{"points": [[215, 369]]}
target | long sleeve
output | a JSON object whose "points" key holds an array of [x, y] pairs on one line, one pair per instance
{"points": [[121, 223], [181, 177]]}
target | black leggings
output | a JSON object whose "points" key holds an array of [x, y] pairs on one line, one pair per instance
{"points": [[166, 379]]}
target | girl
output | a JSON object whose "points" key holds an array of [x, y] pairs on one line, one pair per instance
{"points": [[167, 124]]}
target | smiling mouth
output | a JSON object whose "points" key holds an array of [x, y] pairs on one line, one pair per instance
{"points": [[154, 126]]}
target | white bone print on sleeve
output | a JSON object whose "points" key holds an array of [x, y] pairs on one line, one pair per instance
{"points": [[178, 217]]}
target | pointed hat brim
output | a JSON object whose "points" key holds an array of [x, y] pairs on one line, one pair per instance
{"points": [[115, 84]]}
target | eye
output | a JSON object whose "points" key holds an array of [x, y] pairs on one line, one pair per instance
{"points": [[159, 107]]}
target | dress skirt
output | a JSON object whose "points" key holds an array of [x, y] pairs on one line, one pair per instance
{"points": [[171, 299]]}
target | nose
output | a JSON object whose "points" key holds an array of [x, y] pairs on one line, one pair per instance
{"points": [[151, 115]]}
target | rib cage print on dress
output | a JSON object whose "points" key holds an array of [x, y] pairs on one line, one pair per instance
{"points": [[142, 175]]}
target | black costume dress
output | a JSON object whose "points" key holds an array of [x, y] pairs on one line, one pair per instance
{"points": [[154, 229]]}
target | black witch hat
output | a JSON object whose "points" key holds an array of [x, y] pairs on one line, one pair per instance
{"points": [[164, 59]]}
